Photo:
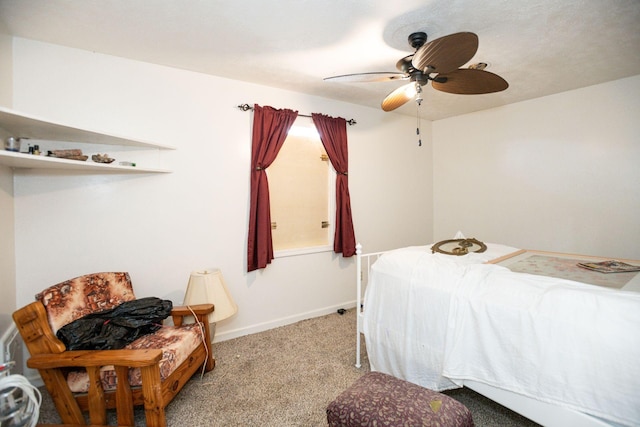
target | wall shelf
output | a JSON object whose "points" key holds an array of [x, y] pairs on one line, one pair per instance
{"points": [[21, 125], [28, 161]]}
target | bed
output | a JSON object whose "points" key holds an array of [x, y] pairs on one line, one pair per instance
{"points": [[558, 351]]}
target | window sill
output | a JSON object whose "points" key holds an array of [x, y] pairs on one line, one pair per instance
{"points": [[302, 251]]}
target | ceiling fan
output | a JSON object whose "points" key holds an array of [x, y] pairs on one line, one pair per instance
{"points": [[438, 61]]}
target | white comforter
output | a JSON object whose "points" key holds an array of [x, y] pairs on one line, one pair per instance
{"points": [[437, 320]]}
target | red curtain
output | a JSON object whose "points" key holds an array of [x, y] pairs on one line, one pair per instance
{"points": [[270, 127], [333, 134]]}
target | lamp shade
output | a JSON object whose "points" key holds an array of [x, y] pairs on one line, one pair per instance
{"points": [[209, 287]]}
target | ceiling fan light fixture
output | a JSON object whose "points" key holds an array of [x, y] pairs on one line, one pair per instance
{"points": [[411, 90]]}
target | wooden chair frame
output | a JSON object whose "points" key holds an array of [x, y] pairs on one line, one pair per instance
{"points": [[50, 358]]}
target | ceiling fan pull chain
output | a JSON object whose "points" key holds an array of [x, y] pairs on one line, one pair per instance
{"points": [[418, 103]]}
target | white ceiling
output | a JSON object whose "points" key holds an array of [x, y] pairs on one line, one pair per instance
{"points": [[540, 47]]}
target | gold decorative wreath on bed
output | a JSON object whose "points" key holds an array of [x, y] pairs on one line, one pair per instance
{"points": [[458, 246]]}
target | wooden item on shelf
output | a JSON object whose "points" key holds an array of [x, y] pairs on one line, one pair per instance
{"points": [[73, 154], [65, 154], [102, 158]]}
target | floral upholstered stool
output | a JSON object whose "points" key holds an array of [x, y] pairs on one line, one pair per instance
{"points": [[378, 399]]}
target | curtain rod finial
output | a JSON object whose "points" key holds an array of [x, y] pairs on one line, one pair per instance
{"points": [[245, 107]]}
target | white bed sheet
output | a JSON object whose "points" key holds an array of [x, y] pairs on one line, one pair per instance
{"points": [[558, 341]]}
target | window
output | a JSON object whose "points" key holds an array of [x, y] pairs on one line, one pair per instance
{"points": [[302, 193]]}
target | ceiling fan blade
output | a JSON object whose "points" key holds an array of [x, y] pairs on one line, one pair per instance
{"points": [[447, 53], [470, 82], [399, 97], [367, 77]]}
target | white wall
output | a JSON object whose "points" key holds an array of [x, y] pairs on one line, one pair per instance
{"points": [[161, 227], [7, 248], [556, 173], [7, 254], [6, 71]]}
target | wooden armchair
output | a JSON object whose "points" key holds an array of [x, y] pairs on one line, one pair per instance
{"points": [[148, 372]]}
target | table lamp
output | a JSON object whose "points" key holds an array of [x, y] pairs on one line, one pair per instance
{"points": [[209, 287]]}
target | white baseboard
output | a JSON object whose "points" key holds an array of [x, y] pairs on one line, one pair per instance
{"points": [[276, 323]]}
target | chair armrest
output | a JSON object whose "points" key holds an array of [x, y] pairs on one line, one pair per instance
{"points": [[181, 314], [83, 358], [201, 309]]}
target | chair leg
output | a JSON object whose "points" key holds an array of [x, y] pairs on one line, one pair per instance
{"points": [[97, 406], [66, 404], [124, 397], [152, 392], [211, 361]]}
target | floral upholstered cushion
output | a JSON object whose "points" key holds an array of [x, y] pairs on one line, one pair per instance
{"points": [[378, 399], [75, 298], [176, 343]]}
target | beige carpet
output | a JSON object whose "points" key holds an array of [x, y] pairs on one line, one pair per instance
{"points": [[286, 377]]}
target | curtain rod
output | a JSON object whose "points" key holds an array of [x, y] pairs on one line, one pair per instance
{"points": [[247, 107]]}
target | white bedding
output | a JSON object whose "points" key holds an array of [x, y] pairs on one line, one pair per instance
{"points": [[437, 320]]}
